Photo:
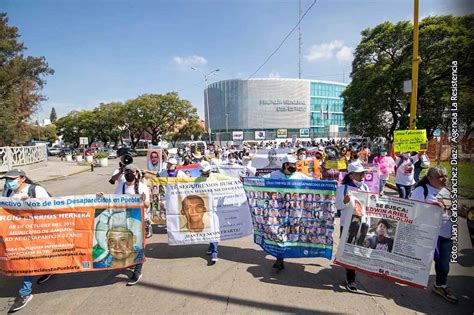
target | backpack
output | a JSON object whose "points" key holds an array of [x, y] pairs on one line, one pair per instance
{"points": [[123, 189], [31, 191]]}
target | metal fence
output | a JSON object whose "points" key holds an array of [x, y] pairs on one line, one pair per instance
{"points": [[11, 157]]}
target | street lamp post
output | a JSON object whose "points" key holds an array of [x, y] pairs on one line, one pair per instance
{"points": [[208, 121]]}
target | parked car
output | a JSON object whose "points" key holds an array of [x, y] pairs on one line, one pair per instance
{"points": [[65, 151], [54, 150], [112, 154]]}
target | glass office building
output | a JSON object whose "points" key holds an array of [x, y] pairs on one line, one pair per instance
{"points": [[272, 108]]}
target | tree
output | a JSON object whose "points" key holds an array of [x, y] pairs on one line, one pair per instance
{"points": [[21, 82], [77, 124], [161, 114], [110, 121], [189, 130], [53, 116], [374, 102]]}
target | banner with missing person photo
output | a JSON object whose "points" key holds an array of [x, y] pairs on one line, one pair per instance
{"points": [[201, 212], [70, 234], [292, 218], [389, 237]]}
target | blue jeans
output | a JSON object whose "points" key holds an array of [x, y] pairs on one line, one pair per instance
{"points": [[442, 261], [26, 287], [404, 191], [417, 172], [137, 268], [213, 247], [350, 273], [382, 185]]}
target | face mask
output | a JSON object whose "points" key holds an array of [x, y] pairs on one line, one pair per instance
{"points": [[383, 153], [357, 183], [205, 174], [302, 157], [129, 177], [12, 185], [292, 169], [406, 155]]}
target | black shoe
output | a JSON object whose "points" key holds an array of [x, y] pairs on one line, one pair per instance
{"points": [[279, 265], [20, 302], [44, 278], [135, 278], [445, 293], [351, 287]]}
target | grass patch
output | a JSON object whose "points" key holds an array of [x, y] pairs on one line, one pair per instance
{"points": [[465, 177]]}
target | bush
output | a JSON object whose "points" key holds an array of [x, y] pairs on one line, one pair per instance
{"points": [[101, 155]]}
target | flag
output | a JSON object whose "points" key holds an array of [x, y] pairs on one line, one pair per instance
{"points": [[327, 116], [321, 108]]}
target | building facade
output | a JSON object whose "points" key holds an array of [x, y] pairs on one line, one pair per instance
{"points": [[273, 108]]}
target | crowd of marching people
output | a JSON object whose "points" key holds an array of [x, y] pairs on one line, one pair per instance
{"points": [[309, 160]]}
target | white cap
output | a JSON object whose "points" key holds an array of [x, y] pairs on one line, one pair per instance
{"points": [[355, 167], [292, 151], [205, 166], [173, 161], [289, 159]]}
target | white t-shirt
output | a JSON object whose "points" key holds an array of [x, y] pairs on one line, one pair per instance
{"points": [[433, 194], [405, 172], [40, 192], [216, 161], [130, 189]]}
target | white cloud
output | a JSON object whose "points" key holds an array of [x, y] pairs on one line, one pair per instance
{"points": [[193, 60], [326, 51], [274, 74], [344, 54]]}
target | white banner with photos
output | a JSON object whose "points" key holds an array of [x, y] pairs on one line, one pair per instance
{"points": [[203, 212], [390, 237]]}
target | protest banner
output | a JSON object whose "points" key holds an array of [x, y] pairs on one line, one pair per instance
{"points": [[409, 140], [389, 237], [70, 234], [232, 170], [202, 212], [268, 160], [336, 164], [259, 135], [157, 187], [153, 162], [237, 135], [304, 133], [371, 177], [191, 170], [292, 218]]}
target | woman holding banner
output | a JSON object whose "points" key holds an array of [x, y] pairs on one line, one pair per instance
{"points": [[19, 186], [427, 189], [354, 180]]}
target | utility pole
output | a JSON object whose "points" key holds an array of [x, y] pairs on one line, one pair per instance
{"points": [[414, 73], [299, 41]]}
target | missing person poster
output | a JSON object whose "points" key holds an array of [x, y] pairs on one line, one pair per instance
{"points": [[234, 170], [268, 160], [204, 212], [154, 160], [389, 237], [292, 218], [70, 234], [157, 187]]}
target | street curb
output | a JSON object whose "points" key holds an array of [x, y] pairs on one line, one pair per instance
{"points": [[85, 169]]}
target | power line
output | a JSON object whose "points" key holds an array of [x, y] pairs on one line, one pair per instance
{"points": [[284, 40]]}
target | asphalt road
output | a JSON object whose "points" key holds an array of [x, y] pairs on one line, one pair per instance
{"points": [[178, 279]]}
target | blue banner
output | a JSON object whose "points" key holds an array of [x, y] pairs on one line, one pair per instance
{"points": [[292, 218]]}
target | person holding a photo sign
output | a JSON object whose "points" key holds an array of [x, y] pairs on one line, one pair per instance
{"points": [[354, 180], [427, 189]]}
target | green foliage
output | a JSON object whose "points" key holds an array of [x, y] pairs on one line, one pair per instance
{"points": [[21, 82], [190, 130], [53, 116], [101, 155], [77, 124], [374, 102]]}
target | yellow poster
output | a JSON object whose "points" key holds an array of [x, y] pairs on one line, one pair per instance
{"points": [[409, 140], [336, 164]]}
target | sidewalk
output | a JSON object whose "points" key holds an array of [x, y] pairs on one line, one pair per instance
{"points": [[54, 169]]}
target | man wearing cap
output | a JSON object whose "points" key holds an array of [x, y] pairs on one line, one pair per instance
{"points": [[287, 171], [171, 170], [19, 186], [208, 176], [352, 181]]}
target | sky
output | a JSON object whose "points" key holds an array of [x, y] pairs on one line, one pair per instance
{"points": [[104, 50]]}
